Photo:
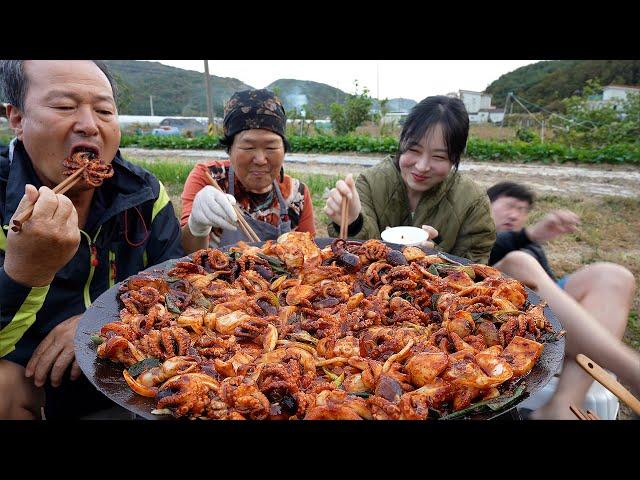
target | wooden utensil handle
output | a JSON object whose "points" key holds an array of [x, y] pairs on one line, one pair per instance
{"points": [[615, 387], [61, 188]]}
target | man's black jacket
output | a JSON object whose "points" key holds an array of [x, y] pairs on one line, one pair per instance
{"points": [[131, 225], [507, 242]]}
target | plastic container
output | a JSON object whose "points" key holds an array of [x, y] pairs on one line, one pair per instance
{"points": [[598, 399], [409, 236]]}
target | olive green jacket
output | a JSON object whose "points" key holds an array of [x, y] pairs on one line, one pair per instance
{"points": [[458, 208]]}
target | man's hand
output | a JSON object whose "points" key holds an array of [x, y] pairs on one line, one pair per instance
{"points": [[47, 241], [432, 233], [54, 354], [212, 209], [553, 224], [333, 207]]}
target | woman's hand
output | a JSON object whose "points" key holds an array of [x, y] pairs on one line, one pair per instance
{"points": [[212, 209], [344, 188], [432, 233]]}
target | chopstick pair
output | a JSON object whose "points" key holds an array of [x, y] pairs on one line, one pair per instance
{"points": [[344, 224], [582, 414], [61, 188], [244, 226]]}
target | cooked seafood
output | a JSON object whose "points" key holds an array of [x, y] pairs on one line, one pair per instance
{"points": [[95, 173], [356, 330]]}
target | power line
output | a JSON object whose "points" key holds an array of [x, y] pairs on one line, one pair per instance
{"points": [[567, 119]]}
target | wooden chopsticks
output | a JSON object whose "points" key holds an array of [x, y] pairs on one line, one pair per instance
{"points": [[344, 225], [244, 226], [61, 188], [615, 387], [582, 414]]}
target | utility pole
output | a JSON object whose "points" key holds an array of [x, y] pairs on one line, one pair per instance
{"points": [[151, 104], [504, 115], [378, 82], [542, 132], [209, 104]]}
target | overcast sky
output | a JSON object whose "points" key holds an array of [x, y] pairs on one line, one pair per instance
{"points": [[415, 79]]}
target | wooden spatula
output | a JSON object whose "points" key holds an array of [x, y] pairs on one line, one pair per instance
{"points": [[615, 387]]}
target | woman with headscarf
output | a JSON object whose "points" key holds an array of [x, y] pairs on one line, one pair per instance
{"points": [[253, 178]]}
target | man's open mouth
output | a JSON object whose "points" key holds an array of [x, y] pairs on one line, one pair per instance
{"points": [[86, 148]]}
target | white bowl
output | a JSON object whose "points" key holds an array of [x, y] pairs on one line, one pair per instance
{"points": [[410, 236]]}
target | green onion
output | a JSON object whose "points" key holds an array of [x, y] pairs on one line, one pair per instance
{"points": [[143, 365]]}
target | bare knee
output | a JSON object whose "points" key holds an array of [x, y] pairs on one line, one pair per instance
{"points": [[606, 277], [522, 267]]}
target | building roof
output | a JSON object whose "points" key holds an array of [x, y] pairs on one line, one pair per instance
{"points": [[614, 85]]}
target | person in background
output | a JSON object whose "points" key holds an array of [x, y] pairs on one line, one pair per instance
{"points": [[592, 303], [253, 178]]}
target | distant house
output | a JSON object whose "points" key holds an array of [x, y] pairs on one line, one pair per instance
{"points": [[614, 95], [475, 101], [496, 115], [479, 108], [397, 117], [618, 92]]}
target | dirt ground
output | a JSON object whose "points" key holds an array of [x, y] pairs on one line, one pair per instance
{"points": [[614, 180]]}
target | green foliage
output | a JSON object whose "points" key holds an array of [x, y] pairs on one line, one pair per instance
{"points": [[548, 83], [5, 138], [175, 91], [124, 93], [346, 143], [633, 330], [513, 151], [596, 123], [518, 151], [526, 135], [178, 142], [346, 118]]}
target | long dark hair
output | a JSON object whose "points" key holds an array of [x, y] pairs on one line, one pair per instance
{"points": [[449, 112]]}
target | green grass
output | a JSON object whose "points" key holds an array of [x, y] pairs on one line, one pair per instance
{"points": [[167, 172], [632, 335]]}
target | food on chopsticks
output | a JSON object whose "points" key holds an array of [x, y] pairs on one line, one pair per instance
{"points": [[81, 164], [94, 173], [352, 331]]}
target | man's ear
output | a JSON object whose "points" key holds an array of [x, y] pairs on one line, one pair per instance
{"points": [[16, 117]]}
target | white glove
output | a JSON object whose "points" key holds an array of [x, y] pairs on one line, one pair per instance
{"points": [[212, 209]]}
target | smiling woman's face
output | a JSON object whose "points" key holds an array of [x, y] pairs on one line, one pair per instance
{"points": [[256, 156], [425, 164]]}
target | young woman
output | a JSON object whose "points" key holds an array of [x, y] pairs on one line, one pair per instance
{"points": [[421, 186]]}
